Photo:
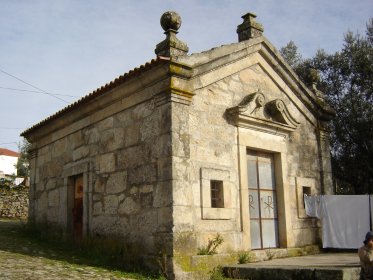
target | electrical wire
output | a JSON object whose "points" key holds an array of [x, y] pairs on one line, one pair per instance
{"points": [[35, 91], [43, 91], [8, 143]]}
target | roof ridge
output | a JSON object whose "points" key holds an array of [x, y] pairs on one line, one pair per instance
{"points": [[108, 86]]}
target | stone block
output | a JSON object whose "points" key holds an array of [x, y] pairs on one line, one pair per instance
{"points": [[41, 203], [163, 194], [52, 215], [142, 111], [142, 174], [146, 189], [107, 141], [117, 182], [105, 124], [99, 184], [124, 118], [164, 169], [162, 147], [59, 147], [91, 135], [106, 163], [182, 193], [144, 222], [53, 198], [51, 184], [80, 153], [149, 128], [111, 204], [128, 207], [180, 145], [97, 208], [131, 134], [146, 199], [164, 219], [182, 217], [132, 156], [76, 139]]}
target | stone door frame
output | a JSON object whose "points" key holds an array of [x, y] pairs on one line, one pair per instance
{"points": [[268, 143], [70, 172]]}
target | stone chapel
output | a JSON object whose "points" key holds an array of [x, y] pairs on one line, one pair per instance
{"points": [[185, 147]]}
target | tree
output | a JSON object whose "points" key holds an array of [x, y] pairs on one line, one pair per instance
{"points": [[346, 78], [291, 55], [23, 167]]}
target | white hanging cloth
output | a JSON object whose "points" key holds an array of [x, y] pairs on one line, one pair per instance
{"points": [[312, 205], [345, 219]]}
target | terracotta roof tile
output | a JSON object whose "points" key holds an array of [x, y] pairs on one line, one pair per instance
{"points": [[107, 87], [9, 153]]}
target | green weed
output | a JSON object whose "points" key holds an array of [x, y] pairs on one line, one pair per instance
{"points": [[212, 246]]}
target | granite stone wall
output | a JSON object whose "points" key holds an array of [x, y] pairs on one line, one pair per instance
{"points": [[124, 161], [14, 202]]}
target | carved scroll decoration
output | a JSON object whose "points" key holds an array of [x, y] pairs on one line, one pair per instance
{"points": [[256, 113]]}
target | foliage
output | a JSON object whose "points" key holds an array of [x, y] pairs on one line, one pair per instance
{"points": [[291, 54], [217, 273], [23, 166], [6, 183], [346, 78], [245, 257], [212, 246]]}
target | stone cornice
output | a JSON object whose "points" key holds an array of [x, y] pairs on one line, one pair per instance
{"points": [[320, 108]]}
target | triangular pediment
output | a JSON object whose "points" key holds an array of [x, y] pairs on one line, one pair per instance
{"points": [[234, 58], [255, 111]]}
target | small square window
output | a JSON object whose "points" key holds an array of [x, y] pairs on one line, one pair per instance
{"points": [[217, 194], [305, 191]]}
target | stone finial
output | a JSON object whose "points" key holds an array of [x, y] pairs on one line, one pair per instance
{"points": [[249, 28], [171, 46], [314, 79]]}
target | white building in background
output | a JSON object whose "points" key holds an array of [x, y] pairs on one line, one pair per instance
{"points": [[8, 161]]}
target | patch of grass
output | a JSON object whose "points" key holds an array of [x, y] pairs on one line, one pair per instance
{"points": [[217, 274], [245, 257], [51, 243]]}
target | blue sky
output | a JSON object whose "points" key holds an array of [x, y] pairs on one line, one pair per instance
{"points": [[72, 47]]}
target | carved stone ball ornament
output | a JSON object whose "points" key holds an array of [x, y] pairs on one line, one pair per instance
{"points": [[171, 46], [170, 20]]}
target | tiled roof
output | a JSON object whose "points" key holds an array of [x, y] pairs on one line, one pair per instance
{"points": [[9, 153], [121, 79]]}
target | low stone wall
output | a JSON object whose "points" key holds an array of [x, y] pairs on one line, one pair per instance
{"points": [[14, 202]]}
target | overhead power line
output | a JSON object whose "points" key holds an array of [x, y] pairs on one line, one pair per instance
{"points": [[17, 128], [39, 89], [9, 143], [36, 91]]}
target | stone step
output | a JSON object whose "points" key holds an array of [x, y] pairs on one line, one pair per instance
{"points": [[291, 273], [336, 266]]}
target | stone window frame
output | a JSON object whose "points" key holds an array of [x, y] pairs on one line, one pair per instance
{"points": [[215, 213], [300, 183]]}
